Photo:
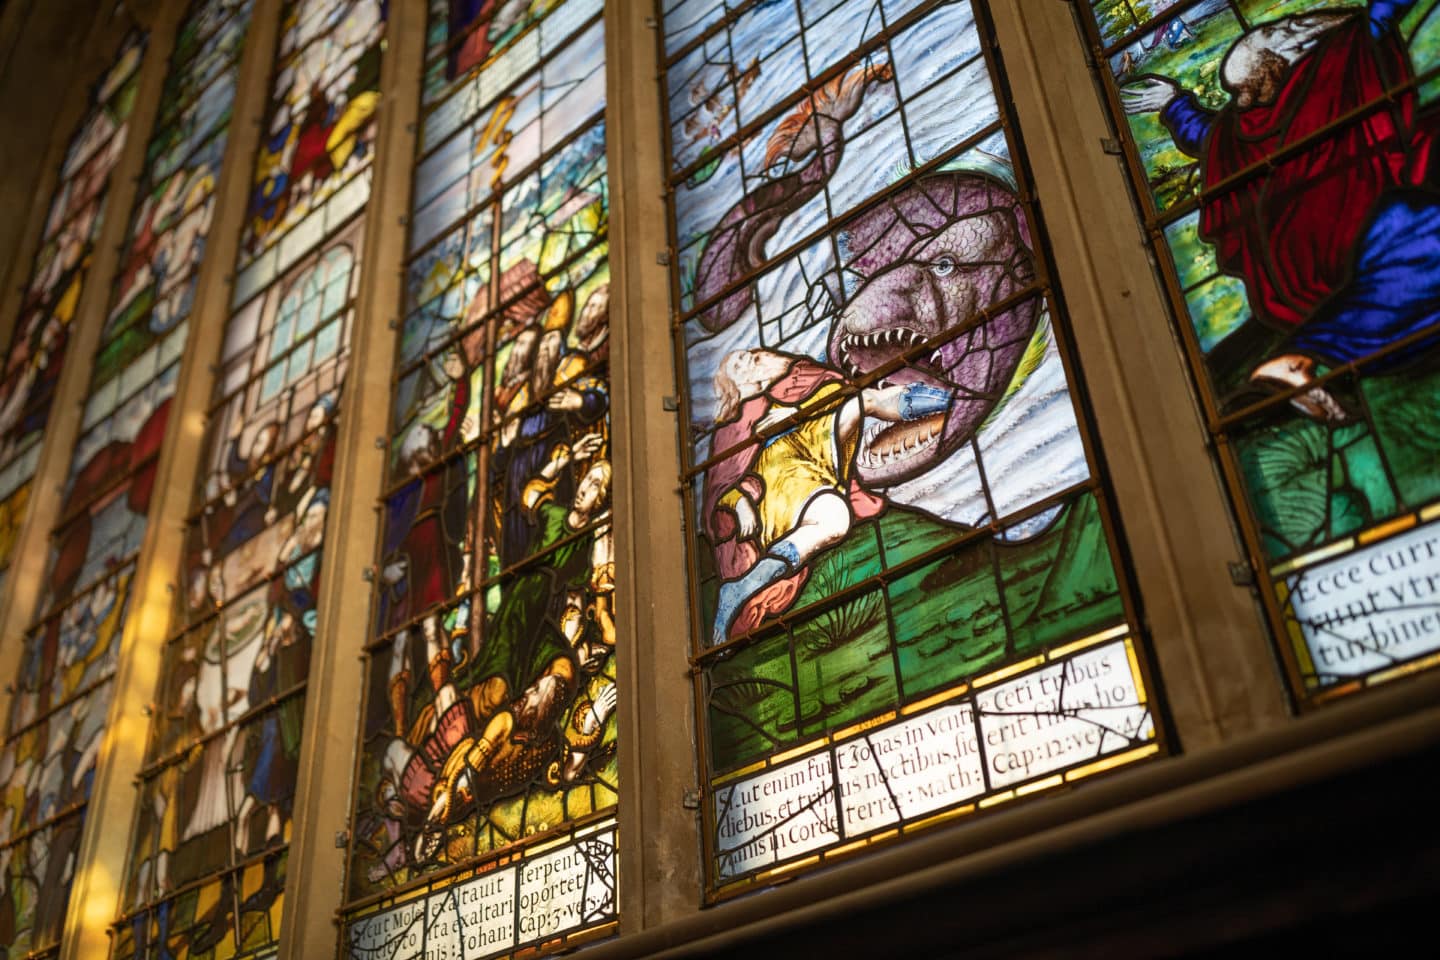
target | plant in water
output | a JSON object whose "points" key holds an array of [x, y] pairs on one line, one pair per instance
{"points": [[846, 621]]}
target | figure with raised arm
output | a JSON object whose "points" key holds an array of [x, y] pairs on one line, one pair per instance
{"points": [[1338, 242]]}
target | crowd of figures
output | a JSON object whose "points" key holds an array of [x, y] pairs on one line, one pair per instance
{"points": [[491, 678], [498, 613], [226, 736]]}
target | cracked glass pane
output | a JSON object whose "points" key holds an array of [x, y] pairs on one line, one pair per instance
{"points": [[550, 897], [1317, 361], [1371, 610], [1039, 727], [894, 491]]}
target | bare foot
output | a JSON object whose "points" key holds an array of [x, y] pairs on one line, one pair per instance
{"points": [[1291, 370]]}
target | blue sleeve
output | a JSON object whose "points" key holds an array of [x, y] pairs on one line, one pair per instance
{"points": [[1188, 122], [1386, 14]]}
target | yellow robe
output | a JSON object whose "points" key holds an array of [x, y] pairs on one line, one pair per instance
{"points": [[797, 465]]}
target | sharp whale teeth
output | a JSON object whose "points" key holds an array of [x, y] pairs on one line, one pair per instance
{"points": [[884, 444]]}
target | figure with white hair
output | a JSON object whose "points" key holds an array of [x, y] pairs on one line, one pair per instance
{"points": [[1334, 227]]}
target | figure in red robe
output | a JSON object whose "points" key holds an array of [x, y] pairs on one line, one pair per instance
{"points": [[1338, 242], [487, 21], [311, 155]]}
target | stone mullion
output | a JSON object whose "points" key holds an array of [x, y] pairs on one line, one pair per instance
{"points": [[104, 849], [19, 592], [314, 889], [660, 871], [1217, 670]]}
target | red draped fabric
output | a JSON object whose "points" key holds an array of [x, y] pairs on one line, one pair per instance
{"points": [[1291, 232]]}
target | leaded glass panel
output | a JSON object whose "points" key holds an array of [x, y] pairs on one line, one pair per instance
{"points": [[489, 729], [62, 692], [70, 654], [313, 171], [52, 291], [1281, 153], [906, 593], [218, 788], [217, 791], [236, 914]]}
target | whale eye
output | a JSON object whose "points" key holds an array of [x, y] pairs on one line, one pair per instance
{"points": [[943, 267]]}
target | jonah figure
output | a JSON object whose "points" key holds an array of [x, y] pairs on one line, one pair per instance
{"points": [[773, 505]]}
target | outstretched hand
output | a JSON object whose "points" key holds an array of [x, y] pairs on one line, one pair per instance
{"points": [[566, 401], [1148, 95], [605, 703], [587, 446], [906, 401]]}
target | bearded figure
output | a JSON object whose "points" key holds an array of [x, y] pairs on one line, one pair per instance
{"points": [[1338, 241]]}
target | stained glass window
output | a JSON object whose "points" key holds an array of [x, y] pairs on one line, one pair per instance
{"points": [[907, 602], [313, 172], [51, 293], [70, 652], [209, 852], [60, 696], [218, 785], [1281, 150], [487, 778]]}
